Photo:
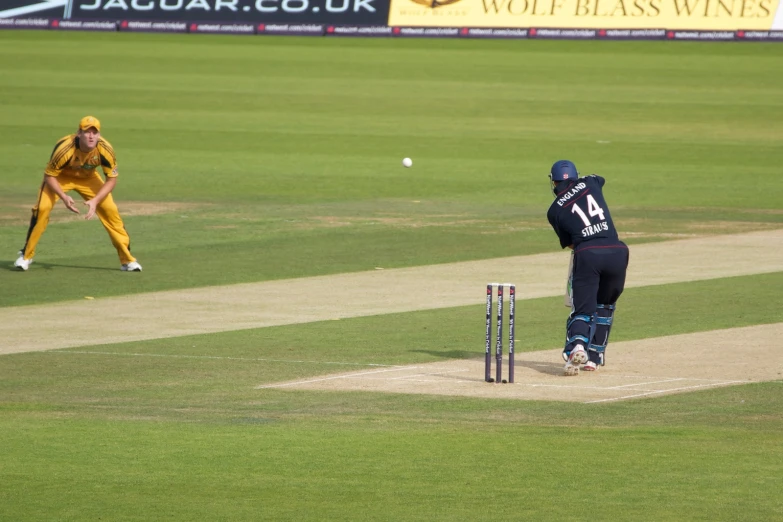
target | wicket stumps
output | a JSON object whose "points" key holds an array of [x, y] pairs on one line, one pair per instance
{"points": [[499, 337]]}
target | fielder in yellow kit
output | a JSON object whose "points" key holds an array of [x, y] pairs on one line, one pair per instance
{"points": [[74, 166]]}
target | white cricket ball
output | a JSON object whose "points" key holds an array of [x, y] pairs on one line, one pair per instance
{"points": [[407, 162]]}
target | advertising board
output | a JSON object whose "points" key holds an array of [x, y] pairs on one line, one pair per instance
{"points": [[700, 15]]}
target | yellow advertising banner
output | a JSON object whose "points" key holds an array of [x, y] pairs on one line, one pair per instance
{"points": [[705, 15]]}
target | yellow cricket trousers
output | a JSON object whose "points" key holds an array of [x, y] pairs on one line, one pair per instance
{"points": [[86, 187]]}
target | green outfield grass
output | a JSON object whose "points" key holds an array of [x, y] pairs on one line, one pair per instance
{"points": [[247, 159], [286, 152], [175, 428]]}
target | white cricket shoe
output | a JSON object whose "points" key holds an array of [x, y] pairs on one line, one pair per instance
{"points": [[133, 266], [577, 357], [21, 263]]}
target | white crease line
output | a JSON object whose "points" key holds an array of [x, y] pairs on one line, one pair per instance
{"points": [[603, 375], [567, 386], [650, 382], [348, 376], [665, 391], [577, 387], [649, 376], [219, 357]]}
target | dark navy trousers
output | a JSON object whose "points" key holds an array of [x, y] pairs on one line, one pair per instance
{"points": [[599, 277], [598, 280]]}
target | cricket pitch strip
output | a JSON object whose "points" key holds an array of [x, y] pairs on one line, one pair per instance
{"points": [[634, 369], [175, 313]]}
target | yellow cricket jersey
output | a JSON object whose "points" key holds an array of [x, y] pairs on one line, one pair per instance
{"points": [[69, 160]]}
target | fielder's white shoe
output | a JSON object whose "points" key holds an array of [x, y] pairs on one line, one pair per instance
{"points": [[21, 263], [133, 266], [577, 357], [589, 366]]}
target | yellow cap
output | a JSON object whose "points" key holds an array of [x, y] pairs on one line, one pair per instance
{"points": [[89, 121]]}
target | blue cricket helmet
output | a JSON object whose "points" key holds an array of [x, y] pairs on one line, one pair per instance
{"points": [[562, 170]]}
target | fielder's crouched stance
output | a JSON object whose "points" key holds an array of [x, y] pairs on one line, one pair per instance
{"points": [[73, 166], [582, 221]]}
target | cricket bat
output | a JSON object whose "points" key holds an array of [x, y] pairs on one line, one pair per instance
{"points": [[568, 298]]}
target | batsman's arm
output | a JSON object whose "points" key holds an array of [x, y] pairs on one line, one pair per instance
{"points": [[568, 298]]}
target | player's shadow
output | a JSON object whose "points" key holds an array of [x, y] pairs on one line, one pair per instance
{"points": [[452, 354], [49, 266], [548, 368]]}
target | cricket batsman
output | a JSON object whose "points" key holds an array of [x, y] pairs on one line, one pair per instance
{"points": [[74, 166], [580, 217]]}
